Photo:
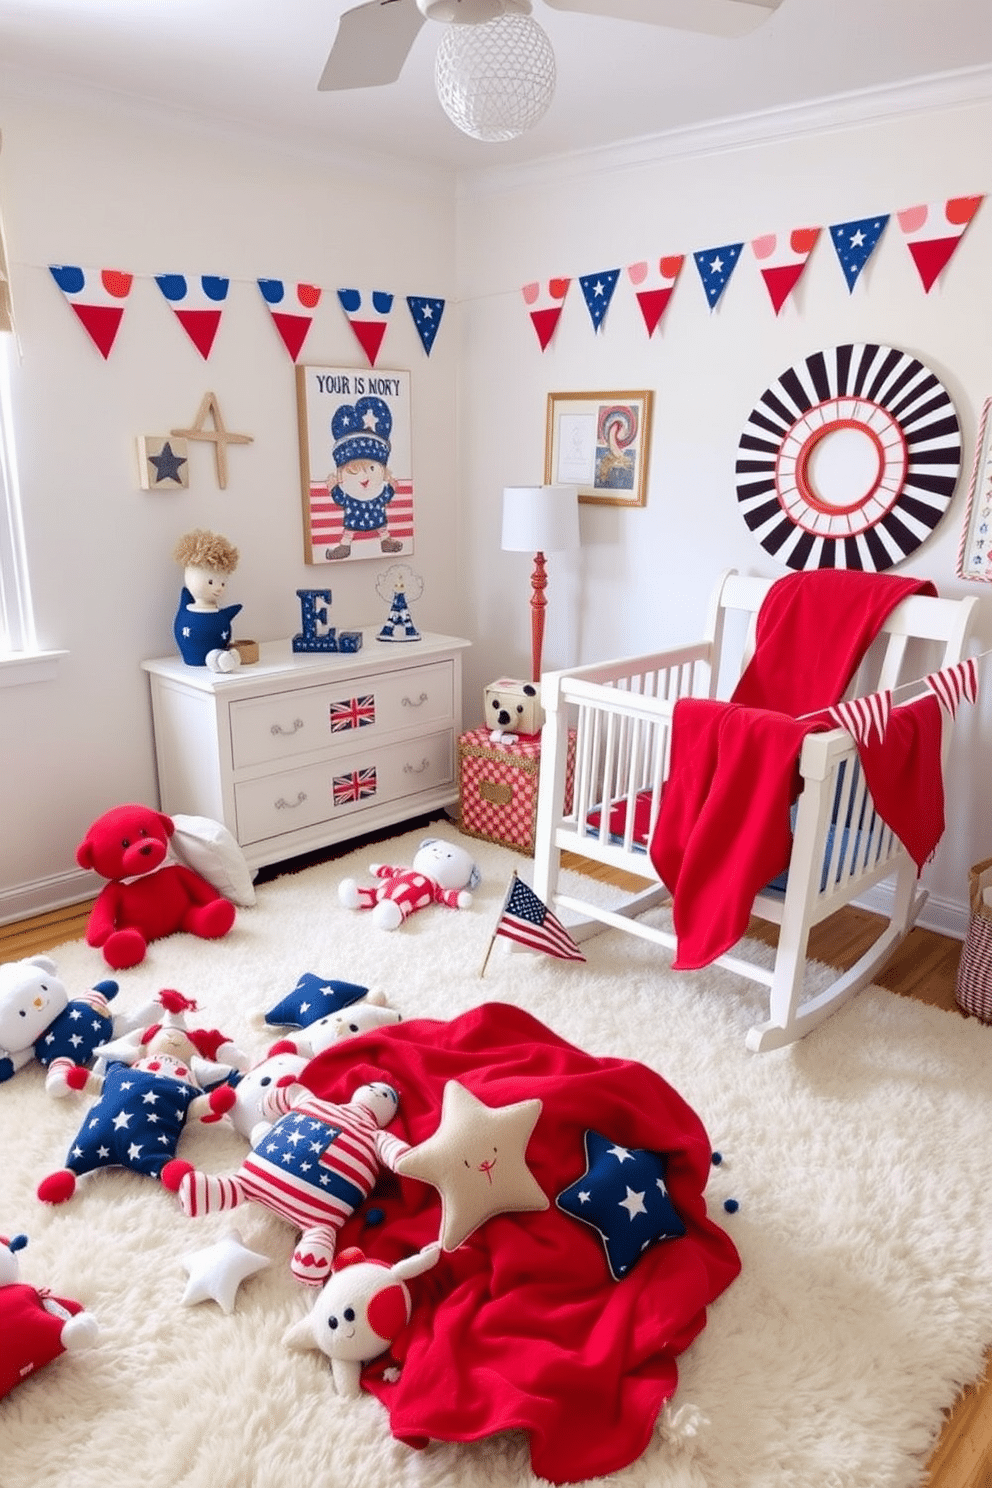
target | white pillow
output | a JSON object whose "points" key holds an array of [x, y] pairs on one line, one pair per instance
{"points": [[211, 851]]}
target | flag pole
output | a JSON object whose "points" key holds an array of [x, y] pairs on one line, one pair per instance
{"points": [[499, 919]]}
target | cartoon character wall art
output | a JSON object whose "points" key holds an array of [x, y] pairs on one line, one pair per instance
{"points": [[355, 463]]}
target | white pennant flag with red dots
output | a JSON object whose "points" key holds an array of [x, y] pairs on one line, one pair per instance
{"points": [[933, 232], [545, 301], [653, 281], [781, 260]]}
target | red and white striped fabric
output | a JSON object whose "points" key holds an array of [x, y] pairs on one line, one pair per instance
{"points": [[863, 716], [955, 684]]}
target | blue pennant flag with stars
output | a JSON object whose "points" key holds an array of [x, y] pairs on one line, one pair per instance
{"points": [[622, 1194], [855, 242], [426, 313], [715, 266], [597, 290]]}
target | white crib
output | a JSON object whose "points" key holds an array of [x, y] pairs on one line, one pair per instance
{"points": [[621, 713]]}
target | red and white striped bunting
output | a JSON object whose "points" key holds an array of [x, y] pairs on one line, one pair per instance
{"points": [[861, 716], [954, 684]]}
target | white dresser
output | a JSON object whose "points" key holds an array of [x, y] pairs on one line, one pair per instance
{"points": [[299, 750]]}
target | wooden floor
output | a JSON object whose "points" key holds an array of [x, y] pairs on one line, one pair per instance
{"points": [[924, 967]]}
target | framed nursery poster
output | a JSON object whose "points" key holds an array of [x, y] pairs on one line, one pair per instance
{"points": [[355, 463], [599, 442]]}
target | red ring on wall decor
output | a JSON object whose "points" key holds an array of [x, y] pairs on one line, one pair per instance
{"points": [[907, 417]]}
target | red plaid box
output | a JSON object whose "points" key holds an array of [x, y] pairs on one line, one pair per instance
{"points": [[498, 787]]}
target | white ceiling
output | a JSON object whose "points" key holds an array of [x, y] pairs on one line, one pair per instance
{"points": [[255, 64]]}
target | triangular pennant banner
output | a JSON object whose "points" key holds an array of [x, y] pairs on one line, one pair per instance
{"points": [[855, 242], [426, 313], [290, 314], [863, 716], [715, 266], [653, 284], [597, 291], [367, 310], [195, 302], [545, 301], [933, 232], [781, 260], [955, 684], [95, 295]]}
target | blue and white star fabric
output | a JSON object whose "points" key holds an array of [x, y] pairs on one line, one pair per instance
{"points": [[715, 266], [135, 1124], [855, 242], [426, 312], [313, 997], [597, 291], [78, 1031], [622, 1195]]}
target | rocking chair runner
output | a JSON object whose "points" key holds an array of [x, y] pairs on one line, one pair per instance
{"points": [[622, 714]]}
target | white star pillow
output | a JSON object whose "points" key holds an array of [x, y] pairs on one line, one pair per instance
{"points": [[216, 1272], [475, 1160]]}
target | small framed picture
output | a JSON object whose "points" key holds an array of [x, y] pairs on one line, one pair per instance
{"points": [[975, 551], [600, 442]]}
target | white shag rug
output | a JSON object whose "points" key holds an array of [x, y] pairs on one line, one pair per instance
{"points": [[859, 1158]]}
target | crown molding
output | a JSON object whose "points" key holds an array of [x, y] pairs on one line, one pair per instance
{"points": [[822, 115]]}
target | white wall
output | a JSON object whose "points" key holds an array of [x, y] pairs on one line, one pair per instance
{"points": [[643, 576], [139, 194]]}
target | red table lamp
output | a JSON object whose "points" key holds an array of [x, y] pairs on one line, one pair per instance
{"points": [[539, 520]]}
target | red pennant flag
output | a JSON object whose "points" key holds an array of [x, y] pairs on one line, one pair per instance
{"points": [[934, 231], [292, 327], [95, 295], [781, 262], [193, 302], [368, 311], [653, 286], [545, 302]]}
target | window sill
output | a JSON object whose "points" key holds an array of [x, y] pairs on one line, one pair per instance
{"points": [[29, 666]]}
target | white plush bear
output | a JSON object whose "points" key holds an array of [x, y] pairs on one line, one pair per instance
{"points": [[361, 1309], [39, 1020], [323, 1032], [441, 873], [252, 1088]]}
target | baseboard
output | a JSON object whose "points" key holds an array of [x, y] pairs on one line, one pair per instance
{"points": [[45, 894], [944, 916]]}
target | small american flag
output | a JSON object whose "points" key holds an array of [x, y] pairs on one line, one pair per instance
{"points": [[352, 713], [357, 785], [527, 920]]}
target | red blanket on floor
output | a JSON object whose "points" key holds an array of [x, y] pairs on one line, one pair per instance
{"points": [[522, 1327], [723, 830]]}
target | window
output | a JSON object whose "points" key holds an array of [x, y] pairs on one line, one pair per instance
{"points": [[17, 632]]}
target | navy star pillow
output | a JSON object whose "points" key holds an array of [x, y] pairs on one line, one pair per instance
{"points": [[622, 1195], [314, 997]]}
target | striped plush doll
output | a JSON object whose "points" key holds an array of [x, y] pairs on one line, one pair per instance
{"points": [[314, 1166]]}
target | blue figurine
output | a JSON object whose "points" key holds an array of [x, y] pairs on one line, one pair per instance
{"points": [[202, 627]]}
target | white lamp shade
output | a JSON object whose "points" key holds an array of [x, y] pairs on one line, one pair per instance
{"points": [[540, 519]]}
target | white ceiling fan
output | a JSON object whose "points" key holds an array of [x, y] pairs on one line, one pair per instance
{"points": [[374, 39]]}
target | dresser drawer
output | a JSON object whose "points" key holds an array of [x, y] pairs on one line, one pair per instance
{"points": [[287, 724], [333, 789]]}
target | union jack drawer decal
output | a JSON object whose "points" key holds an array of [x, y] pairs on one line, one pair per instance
{"points": [[352, 713]]}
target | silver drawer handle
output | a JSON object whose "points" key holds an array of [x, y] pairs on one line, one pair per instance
{"points": [[277, 728], [283, 805], [414, 702], [425, 764]]}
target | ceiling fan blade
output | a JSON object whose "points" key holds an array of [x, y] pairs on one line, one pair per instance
{"points": [[372, 43], [714, 17]]}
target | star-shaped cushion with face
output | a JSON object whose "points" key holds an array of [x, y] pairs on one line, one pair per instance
{"points": [[476, 1161], [216, 1272], [622, 1195]]}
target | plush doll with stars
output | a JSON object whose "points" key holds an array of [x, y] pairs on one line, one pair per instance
{"points": [[39, 1020], [142, 1107], [202, 627], [314, 1167]]}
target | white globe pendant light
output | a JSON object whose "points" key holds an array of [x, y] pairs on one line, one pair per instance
{"points": [[495, 80]]}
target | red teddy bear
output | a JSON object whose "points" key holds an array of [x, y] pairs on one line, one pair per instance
{"points": [[129, 842]]}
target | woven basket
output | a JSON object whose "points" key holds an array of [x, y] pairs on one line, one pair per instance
{"points": [[974, 985]]}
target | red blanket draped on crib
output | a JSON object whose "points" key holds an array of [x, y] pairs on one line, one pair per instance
{"points": [[723, 830]]}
